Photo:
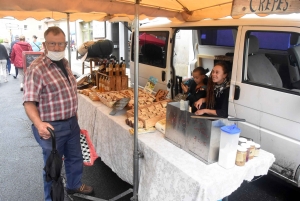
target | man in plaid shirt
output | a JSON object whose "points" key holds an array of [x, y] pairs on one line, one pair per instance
{"points": [[50, 100]]}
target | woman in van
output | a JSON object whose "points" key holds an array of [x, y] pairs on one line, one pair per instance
{"points": [[196, 87], [216, 101]]}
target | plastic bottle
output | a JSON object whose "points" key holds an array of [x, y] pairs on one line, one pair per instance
{"points": [[228, 145]]}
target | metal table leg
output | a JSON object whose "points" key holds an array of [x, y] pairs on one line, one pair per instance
{"points": [[87, 197]]}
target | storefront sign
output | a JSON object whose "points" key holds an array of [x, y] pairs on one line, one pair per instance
{"points": [[241, 7]]}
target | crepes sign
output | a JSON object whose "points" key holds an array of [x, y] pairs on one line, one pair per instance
{"points": [[241, 7]]}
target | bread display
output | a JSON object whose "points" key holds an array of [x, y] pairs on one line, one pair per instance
{"points": [[109, 98], [144, 98], [149, 114], [86, 91]]}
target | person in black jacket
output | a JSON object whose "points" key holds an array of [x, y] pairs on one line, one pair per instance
{"points": [[216, 101], [3, 62], [196, 87]]}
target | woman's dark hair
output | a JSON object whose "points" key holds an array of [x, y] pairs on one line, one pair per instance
{"points": [[202, 71], [210, 97]]}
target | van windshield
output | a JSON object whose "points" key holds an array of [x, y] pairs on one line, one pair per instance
{"points": [[218, 37]]}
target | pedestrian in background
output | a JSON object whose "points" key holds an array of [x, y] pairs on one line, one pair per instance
{"points": [[3, 62], [8, 48], [50, 100], [17, 39], [36, 45], [17, 59]]}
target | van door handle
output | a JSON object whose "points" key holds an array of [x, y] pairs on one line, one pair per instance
{"points": [[169, 84], [237, 91], [163, 76]]}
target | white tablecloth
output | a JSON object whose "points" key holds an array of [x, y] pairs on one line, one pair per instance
{"points": [[166, 172]]}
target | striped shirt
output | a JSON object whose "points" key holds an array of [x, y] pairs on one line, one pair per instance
{"points": [[46, 84]]}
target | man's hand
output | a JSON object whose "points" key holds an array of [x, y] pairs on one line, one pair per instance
{"points": [[42, 130]]}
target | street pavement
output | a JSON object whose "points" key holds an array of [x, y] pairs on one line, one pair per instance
{"points": [[21, 161]]}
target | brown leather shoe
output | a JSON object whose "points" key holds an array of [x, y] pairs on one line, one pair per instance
{"points": [[83, 189]]}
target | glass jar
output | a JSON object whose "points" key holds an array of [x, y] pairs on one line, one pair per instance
{"points": [[246, 146], [242, 140], [241, 156], [252, 149], [257, 149]]}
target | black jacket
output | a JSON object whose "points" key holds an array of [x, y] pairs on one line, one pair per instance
{"points": [[3, 53], [194, 95], [221, 103]]}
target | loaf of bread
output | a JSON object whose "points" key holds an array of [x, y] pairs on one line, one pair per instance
{"points": [[93, 96]]}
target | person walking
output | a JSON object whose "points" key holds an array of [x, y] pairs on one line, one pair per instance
{"points": [[50, 100], [3, 62], [17, 59], [36, 45], [17, 39], [8, 48]]}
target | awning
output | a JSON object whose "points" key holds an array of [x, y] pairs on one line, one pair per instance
{"points": [[148, 38], [175, 10]]}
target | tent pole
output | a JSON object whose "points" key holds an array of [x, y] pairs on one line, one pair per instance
{"points": [[68, 32], [136, 94]]}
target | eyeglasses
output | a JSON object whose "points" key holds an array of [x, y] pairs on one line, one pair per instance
{"points": [[53, 44]]}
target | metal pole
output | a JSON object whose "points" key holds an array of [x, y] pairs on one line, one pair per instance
{"points": [[69, 47], [136, 91], [76, 42]]}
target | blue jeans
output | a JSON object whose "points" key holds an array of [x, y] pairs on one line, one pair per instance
{"points": [[8, 65], [68, 145]]}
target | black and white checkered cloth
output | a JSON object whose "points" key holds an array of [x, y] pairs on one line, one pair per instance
{"points": [[85, 149]]}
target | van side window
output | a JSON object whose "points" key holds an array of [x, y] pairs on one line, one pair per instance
{"points": [[270, 61], [153, 48]]}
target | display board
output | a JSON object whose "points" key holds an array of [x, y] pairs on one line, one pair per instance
{"points": [[29, 57], [242, 7]]}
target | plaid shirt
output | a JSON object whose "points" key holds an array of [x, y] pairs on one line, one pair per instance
{"points": [[46, 84]]}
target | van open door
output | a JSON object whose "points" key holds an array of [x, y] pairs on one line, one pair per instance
{"points": [[154, 56]]}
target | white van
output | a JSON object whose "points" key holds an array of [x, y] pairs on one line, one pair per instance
{"points": [[265, 79]]}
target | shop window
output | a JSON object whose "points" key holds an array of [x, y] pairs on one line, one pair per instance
{"points": [[25, 27], [269, 61], [152, 48], [87, 31]]}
